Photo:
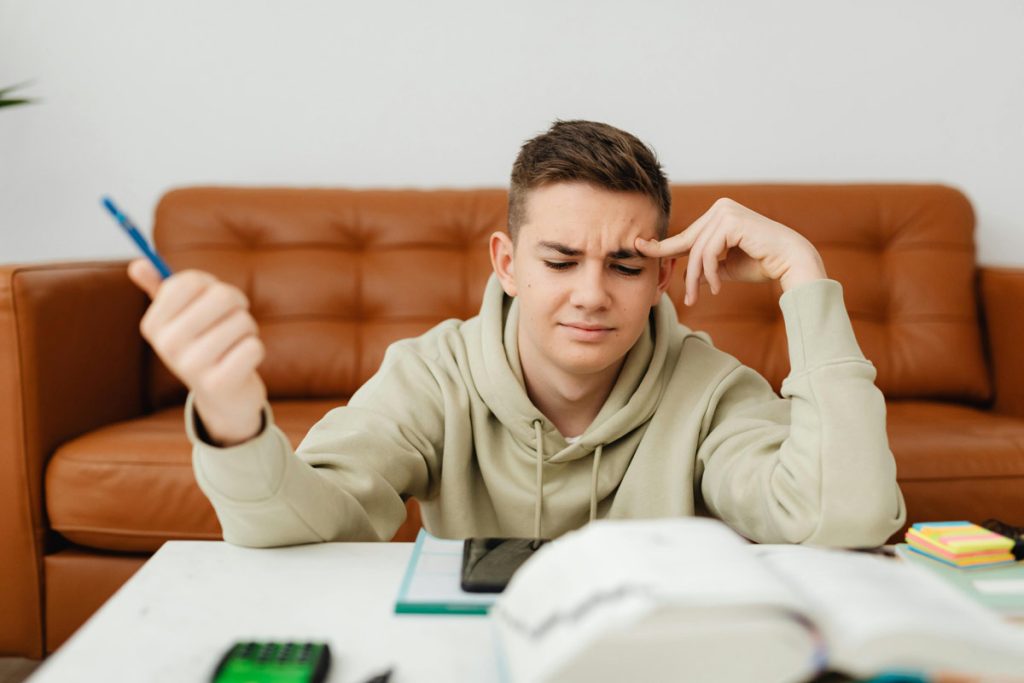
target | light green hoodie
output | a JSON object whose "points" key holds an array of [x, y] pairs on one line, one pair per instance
{"points": [[686, 430]]}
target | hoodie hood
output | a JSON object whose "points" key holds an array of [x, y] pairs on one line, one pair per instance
{"points": [[498, 377]]}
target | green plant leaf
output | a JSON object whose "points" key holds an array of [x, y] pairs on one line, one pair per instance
{"points": [[10, 102]]}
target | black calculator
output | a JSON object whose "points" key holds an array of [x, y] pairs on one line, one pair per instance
{"points": [[273, 662]]}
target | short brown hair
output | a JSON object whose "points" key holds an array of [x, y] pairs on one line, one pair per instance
{"points": [[590, 152]]}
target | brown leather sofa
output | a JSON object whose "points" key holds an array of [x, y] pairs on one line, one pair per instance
{"points": [[95, 469]]}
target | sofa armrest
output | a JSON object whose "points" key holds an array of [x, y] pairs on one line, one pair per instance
{"points": [[1002, 300], [71, 360]]}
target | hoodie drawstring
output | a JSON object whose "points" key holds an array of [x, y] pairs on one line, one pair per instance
{"points": [[540, 479], [538, 505], [593, 483]]}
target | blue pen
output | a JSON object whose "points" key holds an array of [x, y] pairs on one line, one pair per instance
{"points": [[137, 237]]}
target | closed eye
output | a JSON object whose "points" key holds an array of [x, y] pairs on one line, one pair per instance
{"points": [[626, 270], [559, 265]]}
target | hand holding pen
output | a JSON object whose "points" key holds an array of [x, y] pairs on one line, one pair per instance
{"points": [[202, 330]]}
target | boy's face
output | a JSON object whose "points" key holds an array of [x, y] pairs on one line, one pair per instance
{"points": [[584, 291]]}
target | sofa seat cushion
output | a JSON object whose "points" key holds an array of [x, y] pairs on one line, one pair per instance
{"points": [[130, 485], [955, 461]]}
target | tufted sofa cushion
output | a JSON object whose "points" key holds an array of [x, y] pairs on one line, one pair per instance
{"points": [[334, 276], [905, 257]]}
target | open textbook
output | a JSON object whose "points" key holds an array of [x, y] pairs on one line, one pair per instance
{"points": [[689, 599]]}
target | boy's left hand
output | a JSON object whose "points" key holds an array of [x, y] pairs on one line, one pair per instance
{"points": [[732, 242]]}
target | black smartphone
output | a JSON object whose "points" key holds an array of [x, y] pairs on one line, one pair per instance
{"points": [[489, 563]]}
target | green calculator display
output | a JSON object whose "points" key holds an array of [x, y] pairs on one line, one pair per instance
{"points": [[273, 662]]}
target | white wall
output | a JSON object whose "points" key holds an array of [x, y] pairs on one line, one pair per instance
{"points": [[143, 96]]}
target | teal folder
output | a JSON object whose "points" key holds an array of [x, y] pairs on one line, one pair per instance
{"points": [[1000, 587], [432, 581]]}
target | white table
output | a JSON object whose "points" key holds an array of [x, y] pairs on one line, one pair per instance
{"points": [[174, 619]]}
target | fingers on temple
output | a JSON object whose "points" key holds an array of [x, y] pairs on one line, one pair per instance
{"points": [[680, 243]]}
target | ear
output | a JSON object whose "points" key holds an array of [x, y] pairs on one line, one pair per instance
{"points": [[503, 261], [666, 266]]}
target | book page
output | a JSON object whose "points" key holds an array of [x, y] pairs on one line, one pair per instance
{"points": [[876, 613]]}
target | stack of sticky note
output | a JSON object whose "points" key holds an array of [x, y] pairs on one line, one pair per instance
{"points": [[960, 544]]}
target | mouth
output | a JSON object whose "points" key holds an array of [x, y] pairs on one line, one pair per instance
{"points": [[587, 332]]}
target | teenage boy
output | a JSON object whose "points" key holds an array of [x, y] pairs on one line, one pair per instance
{"points": [[574, 394]]}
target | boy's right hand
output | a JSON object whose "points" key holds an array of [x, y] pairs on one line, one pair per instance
{"points": [[201, 329]]}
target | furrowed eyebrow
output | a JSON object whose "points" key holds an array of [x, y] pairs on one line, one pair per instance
{"points": [[618, 255], [560, 248]]}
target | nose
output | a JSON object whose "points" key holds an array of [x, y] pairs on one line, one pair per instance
{"points": [[590, 291]]}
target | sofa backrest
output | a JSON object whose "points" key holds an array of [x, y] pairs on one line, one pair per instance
{"points": [[336, 275]]}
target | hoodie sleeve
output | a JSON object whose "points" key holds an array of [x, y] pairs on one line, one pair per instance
{"points": [[814, 466], [347, 480]]}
